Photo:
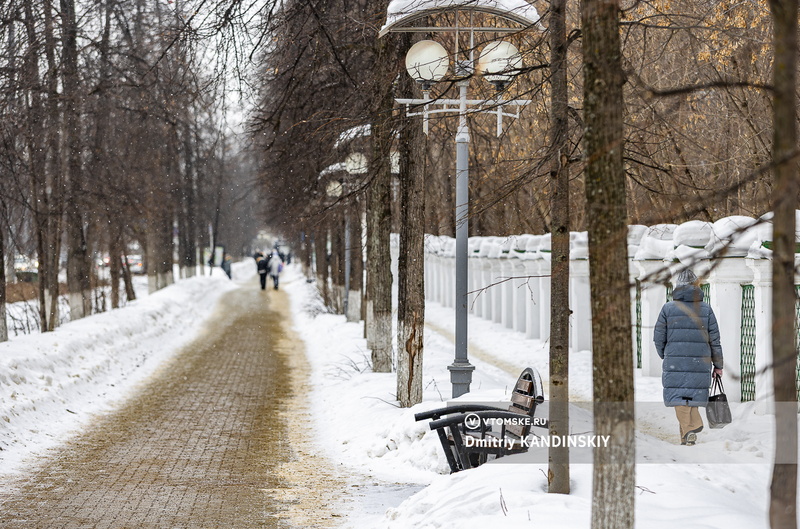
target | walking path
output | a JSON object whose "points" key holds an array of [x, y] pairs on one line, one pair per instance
{"points": [[216, 439]]}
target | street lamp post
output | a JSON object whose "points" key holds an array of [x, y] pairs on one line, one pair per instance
{"points": [[428, 62]]}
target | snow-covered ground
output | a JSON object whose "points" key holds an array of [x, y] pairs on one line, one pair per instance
{"points": [[723, 481], [22, 317], [51, 384]]}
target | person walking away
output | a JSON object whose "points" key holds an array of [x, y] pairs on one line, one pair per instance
{"points": [[261, 266], [687, 340], [226, 265], [275, 267]]}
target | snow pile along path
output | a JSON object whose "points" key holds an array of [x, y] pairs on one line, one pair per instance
{"points": [[52, 383], [723, 481]]}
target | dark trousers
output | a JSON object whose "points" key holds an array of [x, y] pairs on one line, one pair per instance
{"points": [[275, 280], [263, 279]]}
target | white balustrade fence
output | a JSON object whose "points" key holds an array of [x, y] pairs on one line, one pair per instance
{"points": [[509, 284]]}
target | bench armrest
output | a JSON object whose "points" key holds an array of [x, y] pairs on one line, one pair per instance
{"points": [[460, 408], [487, 414]]}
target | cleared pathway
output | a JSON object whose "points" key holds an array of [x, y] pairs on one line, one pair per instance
{"points": [[205, 443]]}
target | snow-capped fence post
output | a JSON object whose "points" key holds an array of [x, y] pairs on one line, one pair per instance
{"points": [[521, 294], [428, 256], [495, 258], [652, 275], [519, 288], [508, 261], [544, 300], [762, 300], [581, 305], [451, 271], [443, 273], [533, 301], [484, 298], [725, 280], [473, 280]]}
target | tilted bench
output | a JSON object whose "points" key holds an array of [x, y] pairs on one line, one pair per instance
{"points": [[470, 439]]}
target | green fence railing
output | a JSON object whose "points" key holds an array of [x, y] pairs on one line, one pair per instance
{"points": [[638, 324], [748, 344], [797, 337]]}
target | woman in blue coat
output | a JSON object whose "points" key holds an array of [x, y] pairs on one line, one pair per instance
{"points": [[687, 340]]}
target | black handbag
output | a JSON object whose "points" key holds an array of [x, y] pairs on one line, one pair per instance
{"points": [[718, 412]]}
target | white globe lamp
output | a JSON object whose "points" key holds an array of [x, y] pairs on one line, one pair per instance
{"points": [[427, 62], [499, 63]]}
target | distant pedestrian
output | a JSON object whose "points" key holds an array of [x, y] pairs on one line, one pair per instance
{"points": [[226, 265], [687, 339], [275, 267], [262, 267]]}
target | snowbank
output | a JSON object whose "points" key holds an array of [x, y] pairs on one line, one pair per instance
{"points": [[721, 482], [52, 383]]}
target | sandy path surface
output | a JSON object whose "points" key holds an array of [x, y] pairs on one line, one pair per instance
{"points": [[218, 437]]}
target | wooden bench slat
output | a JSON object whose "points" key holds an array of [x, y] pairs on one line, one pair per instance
{"points": [[522, 401], [517, 429], [524, 386]]}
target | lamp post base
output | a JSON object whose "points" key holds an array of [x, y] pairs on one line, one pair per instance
{"points": [[460, 377]]}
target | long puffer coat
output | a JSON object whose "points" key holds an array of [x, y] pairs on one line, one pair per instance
{"points": [[687, 339]]}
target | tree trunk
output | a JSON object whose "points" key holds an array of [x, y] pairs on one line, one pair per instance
{"points": [[379, 216], [614, 466], [337, 263], [321, 250], [411, 265], [783, 489], [53, 191], [558, 474], [130, 294], [3, 323], [356, 262], [150, 248], [36, 154], [115, 260], [188, 233], [78, 267]]}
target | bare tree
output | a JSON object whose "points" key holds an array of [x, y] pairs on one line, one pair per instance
{"points": [[614, 465], [411, 265], [379, 211], [3, 324], [78, 262], [783, 489], [558, 474]]}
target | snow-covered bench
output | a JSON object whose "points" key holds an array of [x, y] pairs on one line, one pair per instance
{"points": [[472, 434]]}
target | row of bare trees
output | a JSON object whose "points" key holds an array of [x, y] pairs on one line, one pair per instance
{"points": [[113, 132], [644, 113], [112, 135]]}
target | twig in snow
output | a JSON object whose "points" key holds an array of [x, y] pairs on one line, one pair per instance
{"points": [[383, 400], [436, 387]]}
